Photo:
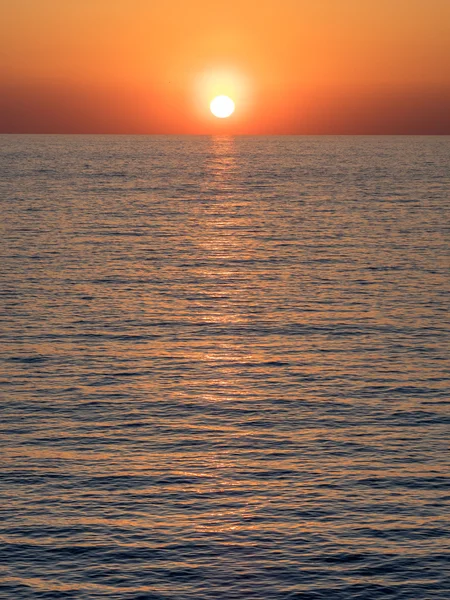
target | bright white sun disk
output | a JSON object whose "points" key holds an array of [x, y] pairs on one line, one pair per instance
{"points": [[222, 107]]}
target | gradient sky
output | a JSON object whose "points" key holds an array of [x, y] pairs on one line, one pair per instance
{"points": [[292, 66]]}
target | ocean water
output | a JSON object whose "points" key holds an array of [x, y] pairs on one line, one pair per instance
{"points": [[225, 368]]}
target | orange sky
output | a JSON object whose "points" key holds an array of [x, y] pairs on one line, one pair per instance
{"points": [[292, 66]]}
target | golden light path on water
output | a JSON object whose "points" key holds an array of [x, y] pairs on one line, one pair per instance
{"points": [[223, 302]]}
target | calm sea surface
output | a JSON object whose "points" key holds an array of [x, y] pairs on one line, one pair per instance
{"points": [[225, 368]]}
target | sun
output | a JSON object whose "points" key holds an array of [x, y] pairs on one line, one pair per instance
{"points": [[222, 107]]}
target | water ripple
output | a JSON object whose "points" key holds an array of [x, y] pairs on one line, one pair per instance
{"points": [[224, 368]]}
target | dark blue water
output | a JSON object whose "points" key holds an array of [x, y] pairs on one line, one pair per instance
{"points": [[225, 368]]}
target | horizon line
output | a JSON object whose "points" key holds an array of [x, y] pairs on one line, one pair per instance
{"points": [[444, 134]]}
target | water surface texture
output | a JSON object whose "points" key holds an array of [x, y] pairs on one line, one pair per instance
{"points": [[225, 368]]}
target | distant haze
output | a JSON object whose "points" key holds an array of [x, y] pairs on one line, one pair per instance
{"points": [[295, 66]]}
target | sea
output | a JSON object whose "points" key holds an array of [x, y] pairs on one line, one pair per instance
{"points": [[225, 368]]}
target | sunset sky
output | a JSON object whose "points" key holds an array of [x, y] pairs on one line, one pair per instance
{"points": [[291, 66]]}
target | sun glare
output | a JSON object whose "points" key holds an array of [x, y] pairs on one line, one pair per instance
{"points": [[222, 107]]}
